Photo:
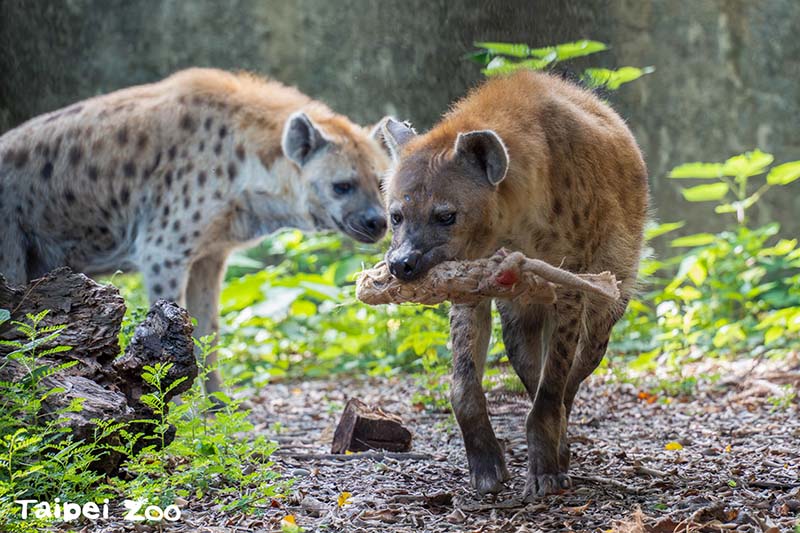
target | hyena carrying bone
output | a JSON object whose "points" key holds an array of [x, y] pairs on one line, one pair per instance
{"points": [[537, 165], [169, 178]]}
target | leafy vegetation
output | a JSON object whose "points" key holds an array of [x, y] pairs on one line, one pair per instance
{"points": [[39, 459], [505, 58], [730, 294], [299, 316]]}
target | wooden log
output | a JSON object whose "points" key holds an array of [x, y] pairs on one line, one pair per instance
{"points": [[109, 386], [92, 312], [363, 428]]}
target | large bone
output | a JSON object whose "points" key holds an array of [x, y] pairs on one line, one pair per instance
{"points": [[503, 275]]}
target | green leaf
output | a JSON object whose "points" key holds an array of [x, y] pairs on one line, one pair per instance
{"points": [[613, 79], [481, 57], [574, 49], [506, 49], [652, 232], [727, 208], [774, 333], [783, 247], [779, 175], [303, 308], [698, 239], [728, 335], [705, 193], [697, 273], [242, 261], [5, 315], [499, 66], [747, 164], [646, 361], [221, 397], [697, 170]]}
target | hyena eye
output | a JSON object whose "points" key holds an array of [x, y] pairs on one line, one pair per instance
{"points": [[397, 219], [446, 219], [343, 187]]}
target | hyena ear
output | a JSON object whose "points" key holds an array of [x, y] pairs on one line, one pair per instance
{"points": [[301, 138], [376, 132], [485, 150], [395, 134]]}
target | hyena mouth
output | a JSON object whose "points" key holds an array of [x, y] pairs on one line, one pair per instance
{"points": [[353, 231]]}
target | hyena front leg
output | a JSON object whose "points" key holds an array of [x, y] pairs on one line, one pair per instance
{"points": [[202, 298], [546, 423], [470, 329]]}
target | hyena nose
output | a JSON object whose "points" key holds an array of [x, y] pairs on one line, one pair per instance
{"points": [[405, 268], [375, 224]]}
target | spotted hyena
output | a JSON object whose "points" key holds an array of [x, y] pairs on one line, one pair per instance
{"points": [[169, 178], [531, 163]]}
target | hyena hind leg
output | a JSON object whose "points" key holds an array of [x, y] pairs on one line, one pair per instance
{"points": [[524, 332], [591, 350], [202, 302], [546, 422]]}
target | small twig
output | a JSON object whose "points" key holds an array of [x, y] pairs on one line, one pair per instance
{"points": [[641, 469], [607, 481], [398, 456]]}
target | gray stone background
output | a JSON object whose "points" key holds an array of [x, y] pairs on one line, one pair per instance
{"points": [[727, 78]]}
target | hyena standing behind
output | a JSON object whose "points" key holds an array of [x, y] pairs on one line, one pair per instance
{"points": [[169, 178], [535, 164]]}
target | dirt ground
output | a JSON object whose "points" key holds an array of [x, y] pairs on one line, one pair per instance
{"points": [[737, 469]]}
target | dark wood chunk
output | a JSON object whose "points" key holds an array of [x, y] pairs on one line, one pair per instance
{"points": [[368, 428]]}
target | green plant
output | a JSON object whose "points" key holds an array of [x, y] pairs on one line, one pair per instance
{"points": [[156, 400], [725, 294], [505, 58], [783, 400], [38, 457], [733, 178], [213, 455], [299, 317]]}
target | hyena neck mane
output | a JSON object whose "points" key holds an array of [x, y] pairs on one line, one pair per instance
{"points": [[267, 200]]}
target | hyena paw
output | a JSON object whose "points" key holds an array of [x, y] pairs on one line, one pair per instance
{"points": [[541, 485], [487, 474]]}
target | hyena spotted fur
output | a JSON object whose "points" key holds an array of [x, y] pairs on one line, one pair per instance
{"points": [[531, 163], [169, 178]]}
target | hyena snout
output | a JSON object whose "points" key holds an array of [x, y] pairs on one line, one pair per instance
{"points": [[368, 225], [405, 263]]}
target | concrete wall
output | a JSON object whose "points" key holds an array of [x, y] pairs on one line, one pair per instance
{"points": [[727, 79]]}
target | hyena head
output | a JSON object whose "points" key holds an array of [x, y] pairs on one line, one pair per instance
{"points": [[341, 165], [441, 196]]}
